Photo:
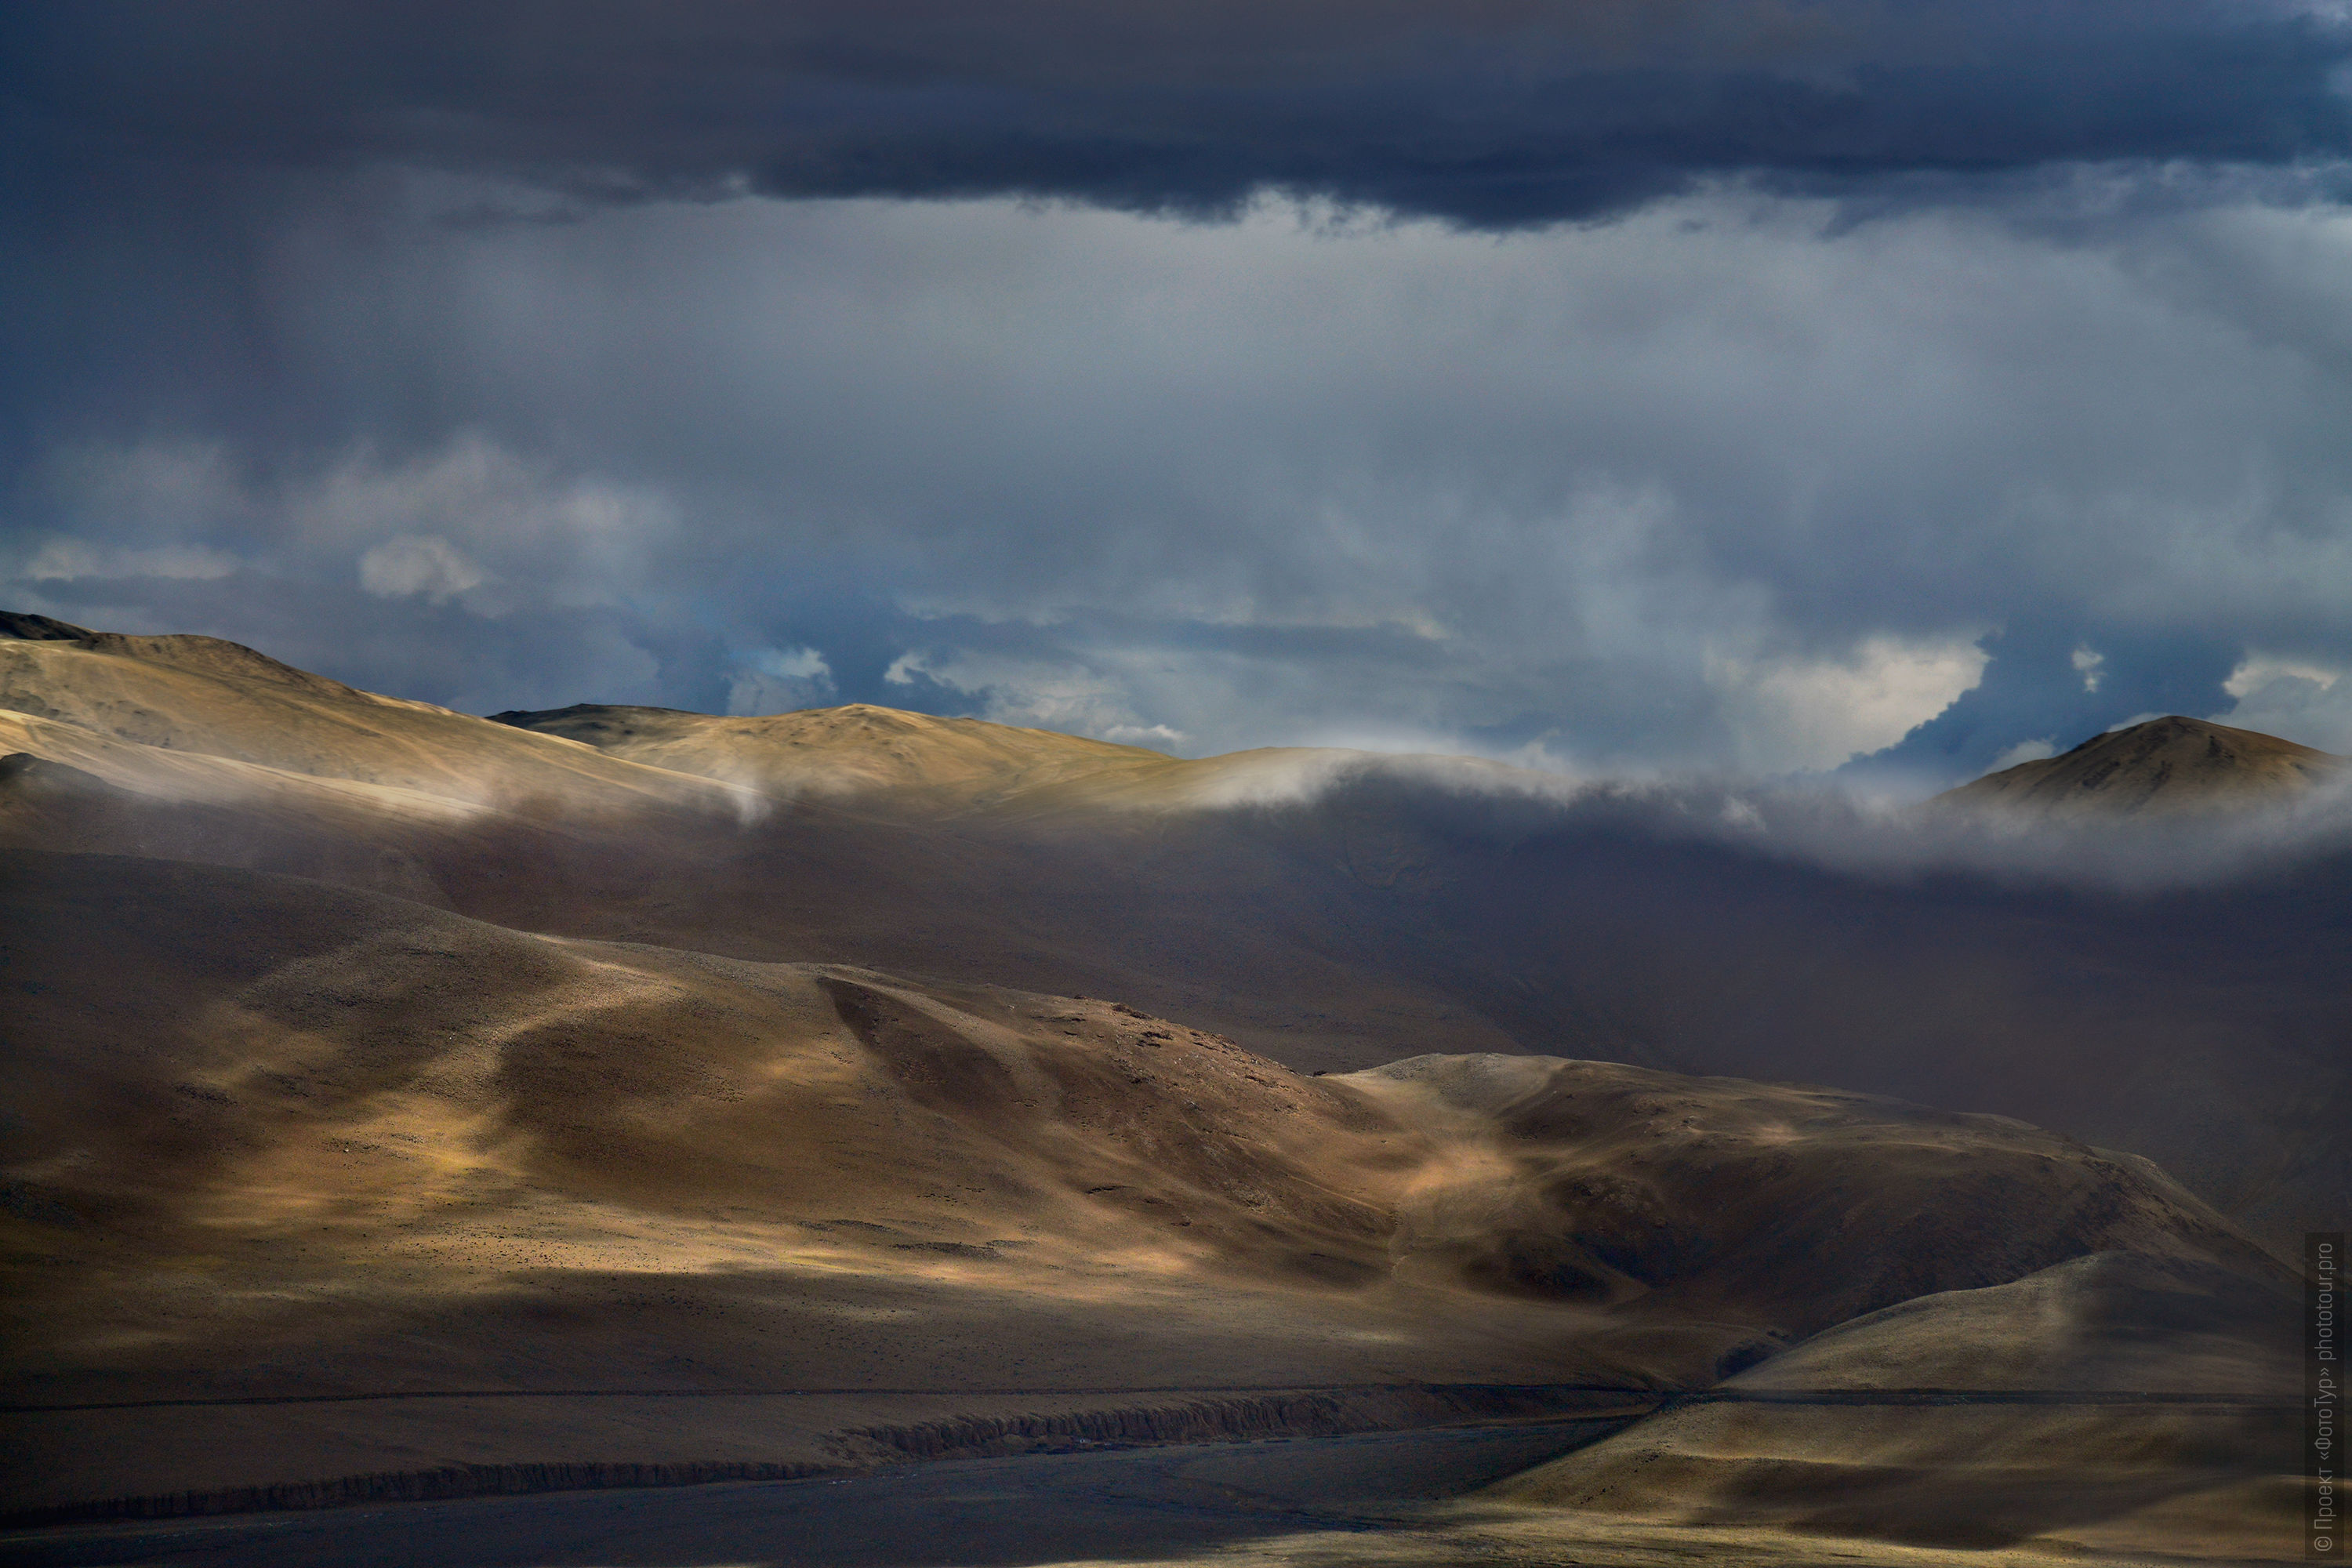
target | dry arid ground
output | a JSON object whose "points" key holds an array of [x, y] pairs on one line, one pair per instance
{"points": [[614, 1094]]}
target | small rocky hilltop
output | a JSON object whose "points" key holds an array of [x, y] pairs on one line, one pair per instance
{"points": [[2163, 766]]}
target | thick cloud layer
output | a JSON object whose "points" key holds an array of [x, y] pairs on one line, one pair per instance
{"points": [[1496, 112], [1957, 379]]}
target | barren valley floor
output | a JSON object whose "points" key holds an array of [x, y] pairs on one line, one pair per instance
{"points": [[1401, 1499]]}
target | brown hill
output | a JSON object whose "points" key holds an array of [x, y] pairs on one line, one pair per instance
{"points": [[858, 748], [1325, 910], [2163, 766], [918, 766], [514, 1141], [271, 1138], [2191, 1455], [223, 700]]}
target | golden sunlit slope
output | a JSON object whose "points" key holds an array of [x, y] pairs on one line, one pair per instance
{"points": [[851, 750], [2106, 1321], [2126, 1405], [67, 786], [269, 1137], [955, 765], [182, 807], [798, 879], [221, 698], [2164, 765], [2112, 1409], [1278, 777]]}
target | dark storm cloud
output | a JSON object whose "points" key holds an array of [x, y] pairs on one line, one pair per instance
{"points": [[1497, 112]]}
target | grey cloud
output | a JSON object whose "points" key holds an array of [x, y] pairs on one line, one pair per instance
{"points": [[2036, 678], [1611, 493], [1499, 113], [1455, 800], [1734, 480]]}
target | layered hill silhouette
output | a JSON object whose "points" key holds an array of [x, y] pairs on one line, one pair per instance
{"points": [[1331, 910], [2163, 766], [883, 1070]]}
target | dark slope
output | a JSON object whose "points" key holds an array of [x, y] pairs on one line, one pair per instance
{"points": [[271, 1138]]}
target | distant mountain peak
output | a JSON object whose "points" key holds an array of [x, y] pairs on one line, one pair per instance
{"points": [[2164, 766]]}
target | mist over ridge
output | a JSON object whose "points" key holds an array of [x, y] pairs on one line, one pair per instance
{"points": [[2139, 830], [1314, 904]]}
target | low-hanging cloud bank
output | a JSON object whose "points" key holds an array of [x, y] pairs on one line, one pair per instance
{"points": [[1498, 113], [1468, 802]]}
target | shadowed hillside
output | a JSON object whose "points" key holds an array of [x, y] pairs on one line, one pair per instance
{"points": [[271, 1138], [1330, 910], [394, 1091]]}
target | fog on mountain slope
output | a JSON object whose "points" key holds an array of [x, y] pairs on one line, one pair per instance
{"points": [[887, 759], [1385, 909], [992, 1063]]}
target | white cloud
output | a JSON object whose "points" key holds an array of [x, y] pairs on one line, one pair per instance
{"points": [[781, 681], [2257, 671], [73, 560], [418, 565], [1039, 694], [1154, 736], [1538, 756], [469, 521], [1237, 479], [1788, 714], [148, 510], [2300, 700], [2024, 752], [2089, 664], [792, 664], [579, 540]]}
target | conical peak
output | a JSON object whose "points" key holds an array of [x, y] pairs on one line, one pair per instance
{"points": [[2163, 765]]}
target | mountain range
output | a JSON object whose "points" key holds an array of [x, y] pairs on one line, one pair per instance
{"points": [[394, 1091]]}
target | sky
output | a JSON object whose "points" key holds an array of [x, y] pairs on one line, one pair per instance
{"points": [[1649, 386]]}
